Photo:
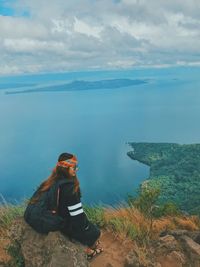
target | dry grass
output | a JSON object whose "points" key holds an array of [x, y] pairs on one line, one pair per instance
{"points": [[196, 220], [130, 222], [186, 223], [143, 255], [131, 214], [190, 223], [165, 223]]}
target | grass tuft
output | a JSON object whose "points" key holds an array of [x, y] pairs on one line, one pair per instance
{"points": [[95, 214], [9, 212]]}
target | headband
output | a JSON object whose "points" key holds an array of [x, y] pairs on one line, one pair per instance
{"points": [[68, 163]]}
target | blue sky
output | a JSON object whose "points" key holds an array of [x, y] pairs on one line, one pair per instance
{"points": [[52, 36], [5, 8]]}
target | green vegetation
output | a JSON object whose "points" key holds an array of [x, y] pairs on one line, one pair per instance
{"points": [[147, 202], [96, 215], [143, 218], [14, 250], [9, 212], [175, 169]]}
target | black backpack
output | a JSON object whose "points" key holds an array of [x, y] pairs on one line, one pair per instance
{"points": [[42, 216]]}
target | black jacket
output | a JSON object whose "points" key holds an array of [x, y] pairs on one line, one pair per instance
{"points": [[70, 207]]}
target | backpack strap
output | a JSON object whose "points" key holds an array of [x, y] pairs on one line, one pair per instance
{"points": [[55, 194]]}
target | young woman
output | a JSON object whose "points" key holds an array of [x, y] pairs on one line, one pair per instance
{"points": [[56, 205]]}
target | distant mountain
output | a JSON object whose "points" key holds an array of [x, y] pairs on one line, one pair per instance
{"points": [[84, 85], [176, 168], [15, 85]]}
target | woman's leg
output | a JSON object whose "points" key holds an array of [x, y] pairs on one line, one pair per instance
{"points": [[94, 250], [90, 238], [87, 237]]}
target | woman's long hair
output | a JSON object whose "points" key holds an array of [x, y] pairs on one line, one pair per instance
{"points": [[57, 173]]}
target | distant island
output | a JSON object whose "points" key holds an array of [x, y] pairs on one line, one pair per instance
{"points": [[83, 85], [175, 169], [15, 85]]}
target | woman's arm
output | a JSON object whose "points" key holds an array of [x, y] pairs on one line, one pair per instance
{"points": [[70, 206]]}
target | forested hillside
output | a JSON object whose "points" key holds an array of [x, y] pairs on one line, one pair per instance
{"points": [[175, 169]]}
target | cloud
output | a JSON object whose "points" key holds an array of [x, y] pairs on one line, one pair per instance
{"points": [[92, 34]]}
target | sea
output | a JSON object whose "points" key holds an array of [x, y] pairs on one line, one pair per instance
{"points": [[94, 115]]}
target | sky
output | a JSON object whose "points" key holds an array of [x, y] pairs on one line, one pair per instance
{"points": [[41, 36]]}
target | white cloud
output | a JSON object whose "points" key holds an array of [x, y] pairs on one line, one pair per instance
{"points": [[82, 27], [86, 34], [14, 27], [30, 46]]}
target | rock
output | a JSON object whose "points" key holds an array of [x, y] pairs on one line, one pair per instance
{"points": [[52, 250], [166, 244], [195, 235], [191, 245], [175, 233], [177, 258], [188, 243], [167, 239], [192, 249]]}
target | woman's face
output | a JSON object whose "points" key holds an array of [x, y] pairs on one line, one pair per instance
{"points": [[72, 171]]}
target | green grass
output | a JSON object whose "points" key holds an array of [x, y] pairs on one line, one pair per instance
{"points": [[96, 215], [9, 212], [121, 225]]}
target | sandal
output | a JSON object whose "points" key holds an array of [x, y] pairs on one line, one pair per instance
{"points": [[97, 244], [94, 253]]}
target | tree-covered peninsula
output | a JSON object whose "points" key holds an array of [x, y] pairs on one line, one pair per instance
{"points": [[175, 169]]}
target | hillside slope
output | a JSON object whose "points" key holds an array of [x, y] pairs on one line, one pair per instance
{"points": [[175, 168]]}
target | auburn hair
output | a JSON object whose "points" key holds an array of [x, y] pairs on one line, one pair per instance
{"points": [[56, 174]]}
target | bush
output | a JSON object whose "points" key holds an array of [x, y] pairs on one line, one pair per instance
{"points": [[146, 200], [167, 209]]}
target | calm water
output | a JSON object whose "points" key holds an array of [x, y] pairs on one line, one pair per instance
{"points": [[95, 125]]}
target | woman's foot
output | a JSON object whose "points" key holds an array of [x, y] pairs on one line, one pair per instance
{"points": [[91, 253], [97, 245]]}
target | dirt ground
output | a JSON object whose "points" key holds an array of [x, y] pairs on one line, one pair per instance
{"points": [[114, 252]]}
